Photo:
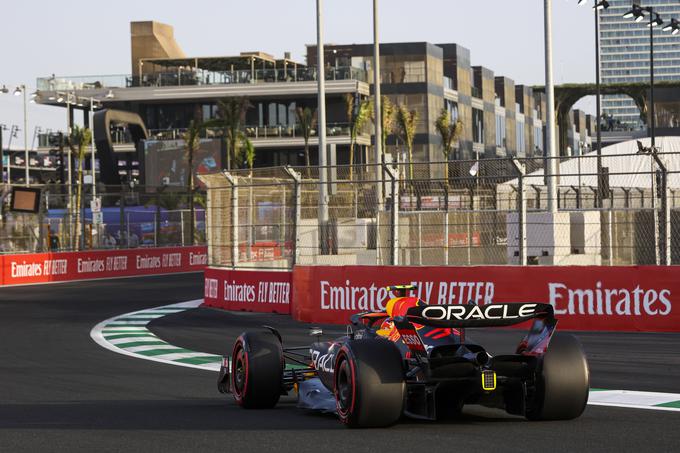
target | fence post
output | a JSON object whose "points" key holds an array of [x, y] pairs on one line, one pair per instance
{"points": [[234, 218], [522, 214], [664, 223], [538, 196], [181, 224], [446, 222], [41, 218], [209, 208], [192, 220], [297, 199], [282, 230], [665, 206], [468, 223], [394, 225], [121, 226]]}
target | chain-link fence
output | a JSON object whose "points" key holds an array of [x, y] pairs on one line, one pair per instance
{"points": [[483, 212], [112, 217]]}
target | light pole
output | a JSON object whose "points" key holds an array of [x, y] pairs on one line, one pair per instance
{"points": [[69, 205], [18, 91], [3, 127], [637, 13], [2, 154], [92, 149], [321, 96], [12, 134], [599, 5], [551, 169], [377, 112]]}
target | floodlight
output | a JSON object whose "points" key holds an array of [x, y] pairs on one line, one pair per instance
{"points": [[655, 22], [602, 4]]}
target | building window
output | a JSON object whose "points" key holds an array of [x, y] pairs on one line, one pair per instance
{"points": [[402, 69], [452, 108], [477, 125], [500, 131], [520, 138], [209, 111], [538, 139]]}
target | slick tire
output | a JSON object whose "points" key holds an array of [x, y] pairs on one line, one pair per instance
{"points": [[562, 381], [257, 370], [369, 384]]}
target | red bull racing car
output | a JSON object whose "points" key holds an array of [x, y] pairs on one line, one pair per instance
{"points": [[415, 359]]}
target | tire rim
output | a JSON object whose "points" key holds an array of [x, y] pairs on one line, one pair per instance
{"points": [[239, 372], [344, 387]]}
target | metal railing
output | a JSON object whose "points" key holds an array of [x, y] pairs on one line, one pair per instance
{"points": [[487, 212], [191, 77], [256, 131]]}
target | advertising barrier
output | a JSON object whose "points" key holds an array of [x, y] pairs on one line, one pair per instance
{"points": [[627, 298], [261, 291], [71, 266]]}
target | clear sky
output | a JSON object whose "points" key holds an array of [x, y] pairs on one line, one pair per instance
{"points": [[84, 37]]}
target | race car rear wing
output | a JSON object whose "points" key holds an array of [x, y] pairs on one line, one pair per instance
{"points": [[492, 315]]}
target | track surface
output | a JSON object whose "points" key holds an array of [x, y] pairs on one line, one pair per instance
{"points": [[59, 391]]}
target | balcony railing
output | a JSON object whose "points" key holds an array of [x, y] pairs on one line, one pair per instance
{"points": [[118, 137], [255, 132], [190, 77], [123, 137]]}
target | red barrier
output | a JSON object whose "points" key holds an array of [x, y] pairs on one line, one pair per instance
{"points": [[71, 266], [261, 291], [585, 297]]}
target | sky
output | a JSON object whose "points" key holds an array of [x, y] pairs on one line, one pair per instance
{"points": [[88, 37]]}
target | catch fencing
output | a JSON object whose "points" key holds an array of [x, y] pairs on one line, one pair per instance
{"points": [[478, 212], [123, 217]]}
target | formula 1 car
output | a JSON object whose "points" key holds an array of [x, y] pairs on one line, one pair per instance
{"points": [[416, 360]]}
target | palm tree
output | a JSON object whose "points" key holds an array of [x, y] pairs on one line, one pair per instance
{"points": [[306, 120], [192, 141], [450, 132], [387, 111], [81, 138], [232, 115], [406, 125], [357, 118], [249, 154]]}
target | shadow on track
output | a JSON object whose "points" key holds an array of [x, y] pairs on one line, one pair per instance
{"points": [[199, 414]]}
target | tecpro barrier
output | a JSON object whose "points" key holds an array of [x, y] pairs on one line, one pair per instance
{"points": [[584, 297], [261, 291], [70, 266]]}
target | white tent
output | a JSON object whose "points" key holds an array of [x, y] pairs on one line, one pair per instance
{"points": [[627, 169]]}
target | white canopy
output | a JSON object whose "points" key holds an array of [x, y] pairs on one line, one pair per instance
{"points": [[627, 169]]}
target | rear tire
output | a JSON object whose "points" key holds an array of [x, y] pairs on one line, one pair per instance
{"points": [[257, 370], [562, 381], [369, 384]]}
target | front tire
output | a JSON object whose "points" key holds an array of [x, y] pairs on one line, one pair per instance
{"points": [[562, 381], [369, 384], [257, 370]]}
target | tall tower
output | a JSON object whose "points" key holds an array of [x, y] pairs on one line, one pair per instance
{"points": [[624, 50]]}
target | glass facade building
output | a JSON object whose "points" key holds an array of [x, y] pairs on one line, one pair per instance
{"points": [[624, 54]]}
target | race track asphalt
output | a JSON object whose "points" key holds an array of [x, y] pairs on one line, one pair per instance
{"points": [[59, 391]]}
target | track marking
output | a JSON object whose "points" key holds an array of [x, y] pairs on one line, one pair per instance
{"points": [[637, 400], [127, 334]]}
